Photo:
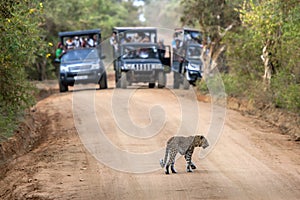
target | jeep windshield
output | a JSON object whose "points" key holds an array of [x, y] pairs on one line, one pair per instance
{"points": [[80, 55], [139, 52], [194, 52]]}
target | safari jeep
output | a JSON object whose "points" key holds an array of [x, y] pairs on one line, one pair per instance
{"points": [[139, 60], [187, 66], [191, 68], [82, 64]]}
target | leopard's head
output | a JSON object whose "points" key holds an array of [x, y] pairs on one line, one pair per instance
{"points": [[201, 141]]}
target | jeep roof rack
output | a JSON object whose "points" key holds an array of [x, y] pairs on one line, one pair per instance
{"points": [[139, 29], [142, 28], [193, 32], [141, 44], [92, 32], [79, 33]]}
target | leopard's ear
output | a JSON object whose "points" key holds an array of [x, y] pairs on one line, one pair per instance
{"points": [[201, 137]]}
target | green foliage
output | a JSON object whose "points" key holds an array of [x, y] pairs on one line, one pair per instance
{"points": [[16, 95], [286, 91], [276, 22], [264, 18], [289, 47], [202, 87], [258, 23], [234, 85], [279, 22], [20, 28], [243, 54], [210, 16], [73, 15]]}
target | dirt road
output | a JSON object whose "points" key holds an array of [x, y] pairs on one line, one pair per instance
{"points": [[251, 160]]}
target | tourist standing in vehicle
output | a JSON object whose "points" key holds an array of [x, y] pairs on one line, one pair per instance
{"points": [[70, 43], [137, 37], [113, 41], [82, 42], [91, 42], [113, 38], [146, 39], [77, 42], [59, 52], [177, 56]]}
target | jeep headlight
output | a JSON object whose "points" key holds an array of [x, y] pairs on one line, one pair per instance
{"points": [[127, 66], [158, 66], [96, 66], [193, 67], [64, 68]]}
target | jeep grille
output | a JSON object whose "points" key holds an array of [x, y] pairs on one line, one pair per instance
{"points": [[80, 67], [146, 67]]}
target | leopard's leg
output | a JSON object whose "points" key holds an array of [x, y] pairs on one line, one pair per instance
{"points": [[188, 158], [167, 164], [166, 161], [167, 169], [173, 168], [193, 166], [172, 161]]}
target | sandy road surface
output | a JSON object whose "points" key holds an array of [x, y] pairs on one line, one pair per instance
{"points": [[250, 161]]}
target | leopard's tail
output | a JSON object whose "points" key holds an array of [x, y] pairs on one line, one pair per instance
{"points": [[163, 161]]}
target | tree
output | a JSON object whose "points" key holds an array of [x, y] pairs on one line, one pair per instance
{"points": [[21, 43], [214, 19], [88, 14], [265, 19], [265, 22], [269, 31]]}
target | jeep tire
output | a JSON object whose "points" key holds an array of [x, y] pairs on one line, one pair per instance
{"points": [[176, 80], [103, 81], [151, 85], [161, 80], [186, 83], [117, 79], [123, 81], [63, 87]]}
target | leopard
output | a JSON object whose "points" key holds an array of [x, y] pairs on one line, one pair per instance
{"points": [[184, 146]]}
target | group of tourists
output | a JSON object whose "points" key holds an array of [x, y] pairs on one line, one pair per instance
{"points": [[74, 42]]}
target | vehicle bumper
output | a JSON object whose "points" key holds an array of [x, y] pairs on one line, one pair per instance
{"points": [[143, 76], [193, 75], [69, 78]]}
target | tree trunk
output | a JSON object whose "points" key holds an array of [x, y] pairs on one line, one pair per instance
{"points": [[210, 55], [268, 65], [211, 52]]}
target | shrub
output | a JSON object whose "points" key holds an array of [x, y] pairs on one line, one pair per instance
{"points": [[286, 92], [20, 27]]}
